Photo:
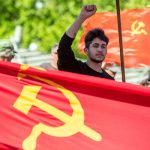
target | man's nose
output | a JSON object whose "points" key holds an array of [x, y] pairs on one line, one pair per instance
{"points": [[100, 49]]}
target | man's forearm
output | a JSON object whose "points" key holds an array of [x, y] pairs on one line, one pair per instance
{"points": [[86, 12], [72, 31]]}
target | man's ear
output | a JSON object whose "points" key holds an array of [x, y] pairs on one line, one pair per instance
{"points": [[85, 50]]}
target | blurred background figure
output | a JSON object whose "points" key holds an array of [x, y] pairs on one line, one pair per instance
{"points": [[52, 65], [146, 82], [7, 51], [109, 68]]}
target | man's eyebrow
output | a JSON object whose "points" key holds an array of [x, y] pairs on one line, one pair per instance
{"points": [[98, 43], [104, 44], [95, 43]]}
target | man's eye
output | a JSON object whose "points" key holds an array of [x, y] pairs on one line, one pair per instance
{"points": [[95, 45], [103, 46]]}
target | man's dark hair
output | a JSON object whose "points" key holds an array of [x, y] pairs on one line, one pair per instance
{"points": [[97, 32]]}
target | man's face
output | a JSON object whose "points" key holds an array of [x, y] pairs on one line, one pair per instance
{"points": [[7, 55], [97, 50]]}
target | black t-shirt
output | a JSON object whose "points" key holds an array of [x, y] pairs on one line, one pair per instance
{"points": [[68, 62]]}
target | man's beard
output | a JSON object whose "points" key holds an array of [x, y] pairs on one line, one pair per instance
{"points": [[97, 61]]}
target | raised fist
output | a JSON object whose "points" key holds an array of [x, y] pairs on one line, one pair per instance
{"points": [[89, 8]]}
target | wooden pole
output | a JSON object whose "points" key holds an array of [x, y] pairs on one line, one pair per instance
{"points": [[120, 40]]}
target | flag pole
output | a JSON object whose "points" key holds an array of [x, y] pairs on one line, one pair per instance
{"points": [[120, 40]]}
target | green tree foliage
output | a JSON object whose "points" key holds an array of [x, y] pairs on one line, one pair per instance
{"points": [[44, 21]]}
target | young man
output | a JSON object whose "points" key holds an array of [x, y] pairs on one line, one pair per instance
{"points": [[7, 51], [95, 47]]}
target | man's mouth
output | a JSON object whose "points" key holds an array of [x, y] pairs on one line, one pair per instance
{"points": [[99, 55]]}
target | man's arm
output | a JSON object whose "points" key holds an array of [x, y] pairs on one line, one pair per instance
{"points": [[66, 58], [86, 12]]}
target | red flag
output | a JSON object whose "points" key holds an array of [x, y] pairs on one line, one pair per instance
{"points": [[60, 110], [135, 33]]}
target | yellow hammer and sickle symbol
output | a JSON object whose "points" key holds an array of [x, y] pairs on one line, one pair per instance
{"points": [[73, 124], [137, 28]]}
